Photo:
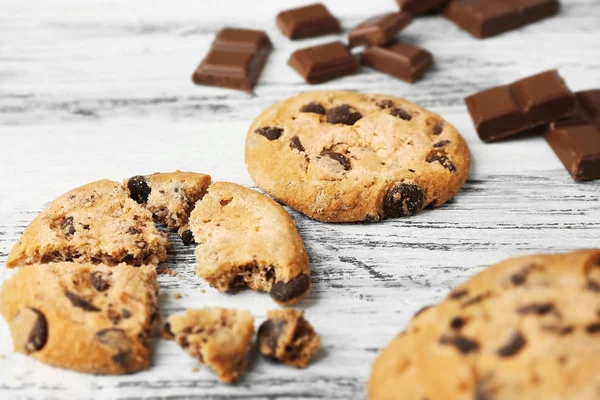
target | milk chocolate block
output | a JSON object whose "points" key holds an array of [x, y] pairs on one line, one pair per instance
{"points": [[235, 60], [400, 60], [503, 111], [418, 7], [324, 62], [379, 30], [308, 21], [576, 139], [484, 18]]}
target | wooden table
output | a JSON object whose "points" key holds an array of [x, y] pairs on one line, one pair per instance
{"points": [[101, 89]]}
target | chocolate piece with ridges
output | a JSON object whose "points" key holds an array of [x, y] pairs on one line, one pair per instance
{"points": [[324, 62], [243, 40], [576, 138], [379, 30], [418, 7], [403, 200], [503, 111], [307, 21], [398, 59], [283, 292], [485, 18]]}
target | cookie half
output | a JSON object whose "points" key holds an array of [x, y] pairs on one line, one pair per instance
{"points": [[217, 337], [345, 156], [97, 223], [246, 239], [83, 317], [527, 328], [170, 197]]}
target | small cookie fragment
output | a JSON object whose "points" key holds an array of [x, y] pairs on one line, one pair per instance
{"points": [[219, 338], [83, 317], [248, 240], [96, 223], [287, 337]]}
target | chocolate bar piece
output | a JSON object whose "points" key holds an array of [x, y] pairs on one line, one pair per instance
{"points": [[379, 30], [484, 18], [308, 21], [576, 139], [418, 7], [400, 60], [506, 110], [324, 62], [235, 60]]}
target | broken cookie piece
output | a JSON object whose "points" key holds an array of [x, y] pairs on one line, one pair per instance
{"points": [[219, 338], [248, 240], [96, 223], [287, 337], [170, 197], [83, 317]]}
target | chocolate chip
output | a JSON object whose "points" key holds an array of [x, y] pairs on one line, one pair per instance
{"points": [[400, 113], [125, 313], [593, 328], [438, 128], [295, 144], [269, 332], [270, 132], [133, 231], [121, 358], [536, 308], [462, 344], [32, 320], [187, 237], [402, 200], [313, 107], [515, 344], [81, 303], [113, 337], [67, 226], [422, 310], [441, 157], [457, 323], [385, 104], [559, 330], [593, 286], [167, 330], [477, 299], [139, 189], [518, 278], [458, 294], [286, 291], [343, 114], [114, 317], [441, 143], [99, 281], [342, 159]]}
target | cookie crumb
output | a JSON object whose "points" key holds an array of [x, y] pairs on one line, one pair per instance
{"points": [[166, 271], [178, 295], [195, 369], [2, 356], [202, 291]]}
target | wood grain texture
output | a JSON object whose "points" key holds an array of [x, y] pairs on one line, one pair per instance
{"points": [[102, 89]]}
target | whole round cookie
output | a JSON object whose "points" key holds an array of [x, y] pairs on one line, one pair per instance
{"points": [[345, 156], [527, 328]]}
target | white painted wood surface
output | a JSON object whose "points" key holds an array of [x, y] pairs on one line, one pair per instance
{"points": [[101, 89]]}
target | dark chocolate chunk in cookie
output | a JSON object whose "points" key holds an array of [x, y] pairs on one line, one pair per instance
{"points": [[286, 291], [441, 157], [67, 226], [100, 281], [513, 346], [269, 332], [313, 107], [296, 144], [81, 303], [536, 308], [458, 294], [139, 189], [441, 143], [342, 159], [400, 113], [31, 323], [270, 132], [457, 323], [402, 200], [385, 104], [593, 328], [187, 237], [343, 114], [462, 344], [438, 129]]}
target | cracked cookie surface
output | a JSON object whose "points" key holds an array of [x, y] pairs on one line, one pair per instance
{"points": [[218, 337], [344, 156], [97, 223], [83, 317], [247, 239], [288, 337], [527, 328], [170, 196]]}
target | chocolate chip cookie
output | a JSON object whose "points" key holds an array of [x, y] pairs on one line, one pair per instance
{"points": [[344, 156], [170, 197], [83, 317], [527, 328], [217, 337], [97, 223], [246, 239], [287, 337]]}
